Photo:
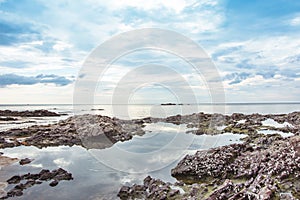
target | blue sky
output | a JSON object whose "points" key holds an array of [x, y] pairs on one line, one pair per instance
{"points": [[255, 45]]}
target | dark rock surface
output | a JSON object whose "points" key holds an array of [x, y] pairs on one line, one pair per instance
{"points": [[26, 181], [263, 167], [268, 168], [267, 171], [90, 131], [151, 189], [8, 119], [25, 161], [27, 113]]}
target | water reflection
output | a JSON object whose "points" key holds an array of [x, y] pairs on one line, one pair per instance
{"points": [[95, 180]]}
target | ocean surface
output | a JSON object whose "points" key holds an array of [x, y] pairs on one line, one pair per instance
{"points": [[99, 173]]}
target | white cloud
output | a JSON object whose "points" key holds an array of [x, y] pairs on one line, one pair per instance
{"points": [[28, 59], [60, 46], [176, 5], [295, 21], [260, 52], [61, 162], [69, 30], [38, 93]]}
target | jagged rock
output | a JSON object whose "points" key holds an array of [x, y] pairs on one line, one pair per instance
{"points": [[14, 180], [151, 189], [56, 176]]}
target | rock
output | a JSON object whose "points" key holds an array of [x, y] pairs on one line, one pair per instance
{"points": [[213, 163], [54, 183], [35, 113], [14, 180], [174, 193], [271, 162], [25, 161], [265, 194], [32, 179], [61, 174], [223, 191], [8, 119], [14, 192], [151, 189], [77, 130], [124, 192], [45, 175]]}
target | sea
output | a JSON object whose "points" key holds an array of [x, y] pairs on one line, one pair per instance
{"points": [[100, 173]]}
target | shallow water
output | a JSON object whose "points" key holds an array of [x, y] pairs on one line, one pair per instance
{"points": [[269, 132], [271, 122], [99, 174]]}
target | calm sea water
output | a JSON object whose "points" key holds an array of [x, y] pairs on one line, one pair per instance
{"points": [[139, 111], [99, 173]]}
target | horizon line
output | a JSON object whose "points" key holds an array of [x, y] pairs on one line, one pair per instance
{"points": [[178, 104]]}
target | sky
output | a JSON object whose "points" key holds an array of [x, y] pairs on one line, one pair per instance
{"points": [[254, 45]]}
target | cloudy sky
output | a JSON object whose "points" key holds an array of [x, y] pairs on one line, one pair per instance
{"points": [[255, 45]]}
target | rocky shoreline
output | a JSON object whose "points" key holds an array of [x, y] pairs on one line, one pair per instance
{"points": [[269, 168], [89, 131], [27, 113], [96, 131], [264, 166]]}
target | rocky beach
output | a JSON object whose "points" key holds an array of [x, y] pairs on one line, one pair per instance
{"points": [[264, 166]]}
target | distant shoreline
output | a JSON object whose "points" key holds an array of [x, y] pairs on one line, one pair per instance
{"points": [[224, 103]]}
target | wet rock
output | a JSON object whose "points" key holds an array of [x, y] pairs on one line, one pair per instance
{"points": [[56, 176], [14, 180], [61, 174], [25, 161], [14, 192], [54, 183], [151, 189], [77, 130], [124, 192], [45, 174], [209, 164], [268, 168]]}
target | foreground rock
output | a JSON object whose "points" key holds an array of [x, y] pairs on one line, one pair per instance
{"points": [[151, 189], [26, 181], [35, 113], [267, 168]]}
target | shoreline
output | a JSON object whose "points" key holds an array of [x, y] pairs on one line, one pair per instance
{"points": [[99, 132]]}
